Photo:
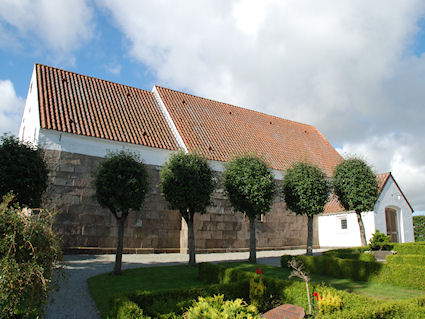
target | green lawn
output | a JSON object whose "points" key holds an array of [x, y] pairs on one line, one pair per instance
{"points": [[370, 289], [103, 287]]}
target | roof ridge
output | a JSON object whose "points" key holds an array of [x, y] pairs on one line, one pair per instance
{"points": [[91, 77], [238, 107]]}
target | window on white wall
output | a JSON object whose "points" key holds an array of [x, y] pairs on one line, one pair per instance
{"points": [[343, 223]]}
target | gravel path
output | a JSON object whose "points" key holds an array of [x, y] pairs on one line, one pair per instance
{"points": [[73, 300]]}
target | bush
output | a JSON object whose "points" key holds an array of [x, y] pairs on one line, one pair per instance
{"points": [[351, 253], [380, 241], [402, 275], [410, 248], [23, 171], [216, 308], [336, 267], [419, 226], [417, 260], [329, 303], [123, 308], [29, 251]]}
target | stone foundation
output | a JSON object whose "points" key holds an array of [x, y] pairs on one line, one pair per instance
{"points": [[86, 227]]}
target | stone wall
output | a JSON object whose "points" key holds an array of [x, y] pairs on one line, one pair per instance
{"points": [[81, 222]]}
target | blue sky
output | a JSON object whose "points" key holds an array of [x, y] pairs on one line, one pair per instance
{"points": [[354, 69]]}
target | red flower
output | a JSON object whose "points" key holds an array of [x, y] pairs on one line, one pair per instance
{"points": [[258, 271], [315, 294]]}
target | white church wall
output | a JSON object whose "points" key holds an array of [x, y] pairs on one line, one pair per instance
{"points": [[391, 197], [332, 235], [30, 123], [72, 143]]}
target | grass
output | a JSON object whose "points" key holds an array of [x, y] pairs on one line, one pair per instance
{"points": [[370, 289], [105, 286]]}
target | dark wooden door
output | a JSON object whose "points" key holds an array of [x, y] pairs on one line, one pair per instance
{"points": [[391, 220]]}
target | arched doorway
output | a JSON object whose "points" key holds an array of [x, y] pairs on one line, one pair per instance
{"points": [[391, 221]]}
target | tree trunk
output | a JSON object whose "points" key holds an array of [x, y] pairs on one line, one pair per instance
{"points": [[361, 226], [191, 240], [252, 242], [310, 236], [118, 255], [308, 298]]}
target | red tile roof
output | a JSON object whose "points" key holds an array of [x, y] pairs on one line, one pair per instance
{"points": [[219, 131], [84, 105], [334, 206]]}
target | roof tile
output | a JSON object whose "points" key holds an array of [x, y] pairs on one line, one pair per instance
{"points": [[79, 104], [219, 131]]}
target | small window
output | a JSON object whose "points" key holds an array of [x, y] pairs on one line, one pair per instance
{"points": [[343, 223]]}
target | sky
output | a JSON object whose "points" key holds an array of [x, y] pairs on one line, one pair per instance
{"points": [[353, 69]]}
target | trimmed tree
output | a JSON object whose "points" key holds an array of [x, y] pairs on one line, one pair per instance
{"points": [[250, 187], [357, 189], [121, 183], [306, 190], [187, 183], [22, 171]]}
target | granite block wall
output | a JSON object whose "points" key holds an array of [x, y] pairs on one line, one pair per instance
{"points": [[81, 222]]}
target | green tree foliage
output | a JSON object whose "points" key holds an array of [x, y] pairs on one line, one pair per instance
{"points": [[216, 308], [357, 189], [29, 251], [250, 186], [187, 183], [380, 241], [121, 183], [23, 171], [306, 189], [419, 224]]}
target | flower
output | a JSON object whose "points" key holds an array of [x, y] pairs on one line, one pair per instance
{"points": [[258, 271], [315, 294]]}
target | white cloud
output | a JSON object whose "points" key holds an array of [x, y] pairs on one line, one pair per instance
{"points": [[11, 108], [343, 66], [60, 24], [399, 153]]}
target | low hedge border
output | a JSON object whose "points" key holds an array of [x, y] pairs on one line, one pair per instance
{"points": [[402, 275], [357, 253], [336, 267], [416, 260], [410, 248], [294, 292], [173, 303], [163, 303]]}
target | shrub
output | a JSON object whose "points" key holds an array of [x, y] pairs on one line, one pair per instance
{"points": [[23, 171], [329, 303], [337, 267], [417, 260], [29, 251], [419, 226], [123, 308], [257, 293], [410, 248], [216, 308], [380, 241], [351, 253]]}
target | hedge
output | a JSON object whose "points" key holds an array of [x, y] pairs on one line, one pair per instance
{"points": [[410, 248], [294, 292], [176, 301], [417, 260], [173, 303], [336, 267], [402, 275]]}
